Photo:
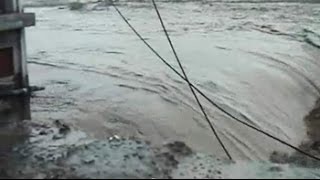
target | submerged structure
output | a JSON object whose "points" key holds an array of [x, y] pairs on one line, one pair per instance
{"points": [[13, 65]]}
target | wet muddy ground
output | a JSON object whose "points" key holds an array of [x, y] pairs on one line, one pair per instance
{"points": [[57, 151]]}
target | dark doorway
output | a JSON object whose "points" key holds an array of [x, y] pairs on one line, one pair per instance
{"points": [[6, 62]]}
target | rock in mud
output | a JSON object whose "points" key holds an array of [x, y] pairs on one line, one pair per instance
{"points": [[276, 169], [179, 148], [63, 128]]}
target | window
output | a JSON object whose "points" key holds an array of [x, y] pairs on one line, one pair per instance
{"points": [[6, 62], [2, 7]]}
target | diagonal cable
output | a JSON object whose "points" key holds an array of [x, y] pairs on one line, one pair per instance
{"points": [[207, 98], [187, 80]]}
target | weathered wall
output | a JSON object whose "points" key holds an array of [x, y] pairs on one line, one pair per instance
{"points": [[13, 69]]}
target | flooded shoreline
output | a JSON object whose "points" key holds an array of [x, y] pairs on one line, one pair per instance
{"points": [[111, 109], [256, 61], [58, 151]]}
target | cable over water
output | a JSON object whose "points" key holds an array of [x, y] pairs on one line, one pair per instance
{"points": [[207, 98], [187, 80]]}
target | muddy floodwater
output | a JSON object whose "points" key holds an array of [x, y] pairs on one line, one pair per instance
{"points": [[256, 59]]}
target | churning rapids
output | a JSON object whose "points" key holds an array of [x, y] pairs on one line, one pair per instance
{"points": [[258, 59]]}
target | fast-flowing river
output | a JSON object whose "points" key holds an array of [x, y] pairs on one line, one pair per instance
{"points": [[256, 59]]}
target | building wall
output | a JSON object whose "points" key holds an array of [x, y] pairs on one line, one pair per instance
{"points": [[13, 70], [8, 6], [12, 40]]}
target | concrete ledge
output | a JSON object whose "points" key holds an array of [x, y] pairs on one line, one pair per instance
{"points": [[16, 21], [6, 83]]}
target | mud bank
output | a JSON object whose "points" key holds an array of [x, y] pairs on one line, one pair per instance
{"points": [[313, 123], [311, 145], [58, 151]]}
